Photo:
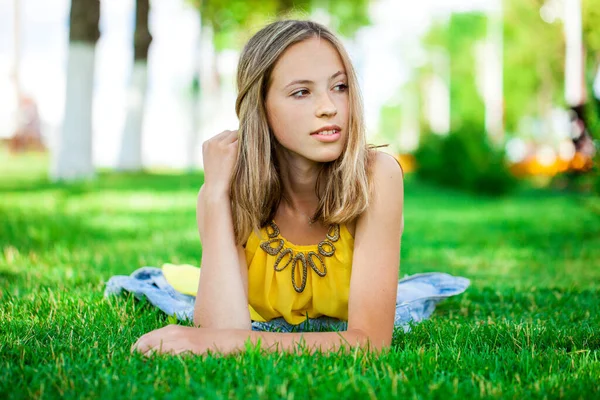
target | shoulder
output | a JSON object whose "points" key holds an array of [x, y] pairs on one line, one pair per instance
{"points": [[386, 182], [386, 159], [385, 170], [387, 190]]}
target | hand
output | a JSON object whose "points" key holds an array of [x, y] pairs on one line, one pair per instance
{"points": [[220, 154], [176, 339]]}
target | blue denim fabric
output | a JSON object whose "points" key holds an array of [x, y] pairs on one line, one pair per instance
{"points": [[416, 299]]}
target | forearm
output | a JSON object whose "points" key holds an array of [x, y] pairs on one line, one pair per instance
{"points": [[221, 301], [233, 341]]}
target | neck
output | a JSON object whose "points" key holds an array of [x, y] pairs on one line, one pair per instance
{"points": [[299, 178]]}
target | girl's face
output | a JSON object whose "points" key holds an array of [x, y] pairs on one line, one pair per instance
{"points": [[308, 92]]}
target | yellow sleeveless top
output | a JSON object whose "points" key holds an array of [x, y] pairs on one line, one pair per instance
{"points": [[271, 293]]}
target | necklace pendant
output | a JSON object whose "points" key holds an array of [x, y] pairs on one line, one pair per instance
{"points": [[266, 246], [322, 271], [324, 251], [300, 257], [335, 235], [280, 258], [299, 261]]}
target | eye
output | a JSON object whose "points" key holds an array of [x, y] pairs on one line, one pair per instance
{"points": [[300, 93], [342, 87]]}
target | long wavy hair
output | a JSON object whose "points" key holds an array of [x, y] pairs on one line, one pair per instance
{"points": [[343, 186]]}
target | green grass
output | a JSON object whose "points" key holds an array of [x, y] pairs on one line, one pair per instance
{"points": [[528, 326]]}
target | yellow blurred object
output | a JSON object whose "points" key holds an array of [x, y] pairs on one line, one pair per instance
{"points": [[581, 162], [185, 279], [407, 161], [532, 167]]}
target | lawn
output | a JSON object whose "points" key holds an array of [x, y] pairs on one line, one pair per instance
{"points": [[528, 326]]}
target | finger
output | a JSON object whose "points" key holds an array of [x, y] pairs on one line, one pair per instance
{"points": [[148, 349], [231, 138], [149, 353], [223, 135], [135, 346], [140, 348], [157, 349], [144, 343]]}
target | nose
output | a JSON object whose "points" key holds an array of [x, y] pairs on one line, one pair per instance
{"points": [[326, 107]]}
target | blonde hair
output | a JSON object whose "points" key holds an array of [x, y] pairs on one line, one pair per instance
{"points": [[343, 186]]}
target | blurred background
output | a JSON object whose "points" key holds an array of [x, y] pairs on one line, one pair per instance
{"points": [[475, 94]]}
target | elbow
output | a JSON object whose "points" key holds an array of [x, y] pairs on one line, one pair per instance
{"points": [[230, 322], [197, 319], [373, 341]]}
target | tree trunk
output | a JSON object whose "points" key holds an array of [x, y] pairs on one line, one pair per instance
{"points": [[72, 158], [17, 52], [194, 133], [575, 91], [437, 94], [597, 83], [494, 74], [130, 157]]}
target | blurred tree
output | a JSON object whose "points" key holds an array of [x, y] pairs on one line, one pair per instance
{"points": [[72, 158], [591, 41], [457, 38], [234, 21], [535, 54], [466, 30], [231, 20], [533, 61], [399, 125], [456, 50], [347, 17], [591, 37], [130, 155]]}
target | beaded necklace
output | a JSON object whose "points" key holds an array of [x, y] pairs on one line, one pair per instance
{"points": [[326, 249]]}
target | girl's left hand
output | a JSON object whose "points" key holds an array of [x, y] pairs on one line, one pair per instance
{"points": [[176, 339]]}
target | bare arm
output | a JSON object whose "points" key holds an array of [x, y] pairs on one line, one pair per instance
{"points": [[222, 298], [175, 339], [233, 341], [376, 261]]}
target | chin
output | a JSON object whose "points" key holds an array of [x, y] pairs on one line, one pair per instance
{"points": [[327, 156]]}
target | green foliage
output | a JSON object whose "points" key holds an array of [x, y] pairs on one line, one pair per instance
{"points": [[526, 328], [234, 21], [534, 53], [597, 175], [390, 124], [466, 29], [457, 37], [592, 115], [591, 33], [465, 160], [347, 16]]}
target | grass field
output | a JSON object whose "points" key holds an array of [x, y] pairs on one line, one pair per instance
{"points": [[528, 327]]}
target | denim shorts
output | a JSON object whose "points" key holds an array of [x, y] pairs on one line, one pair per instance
{"points": [[416, 298]]}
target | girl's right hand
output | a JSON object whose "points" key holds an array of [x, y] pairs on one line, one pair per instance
{"points": [[220, 154]]}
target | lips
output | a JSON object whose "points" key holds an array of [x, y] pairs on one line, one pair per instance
{"points": [[327, 130]]}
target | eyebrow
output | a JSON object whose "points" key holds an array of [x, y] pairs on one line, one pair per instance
{"points": [[306, 81]]}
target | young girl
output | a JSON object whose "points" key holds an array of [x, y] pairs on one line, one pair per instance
{"points": [[298, 216]]}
